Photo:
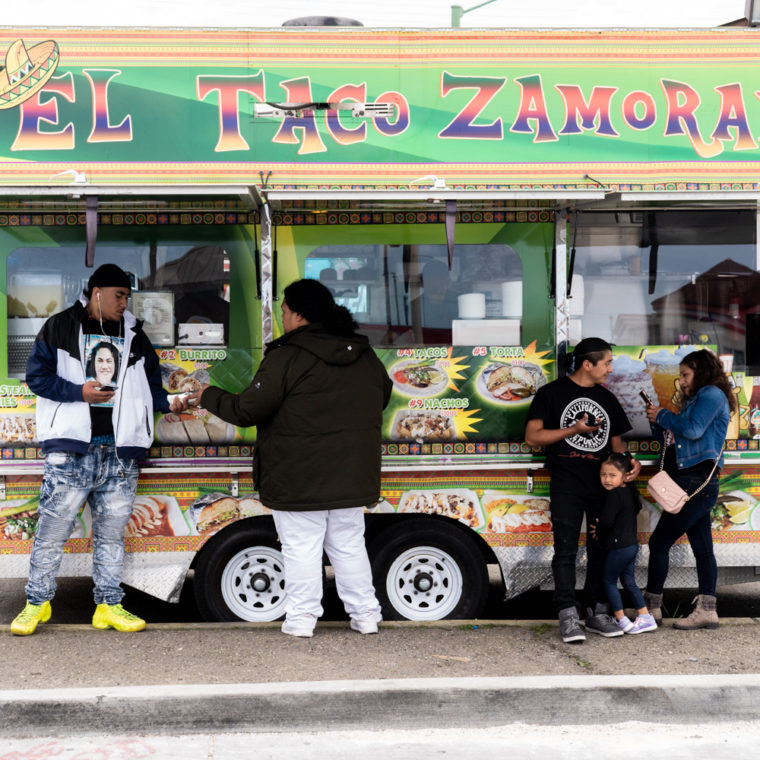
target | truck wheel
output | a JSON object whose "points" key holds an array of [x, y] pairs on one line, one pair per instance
{"points": [[428, 570], [240, 575]]}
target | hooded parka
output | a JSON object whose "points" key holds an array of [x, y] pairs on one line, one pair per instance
{"points": [[317, 402]]}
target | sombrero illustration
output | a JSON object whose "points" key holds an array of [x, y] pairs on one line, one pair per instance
{"points": [[26, 71]]}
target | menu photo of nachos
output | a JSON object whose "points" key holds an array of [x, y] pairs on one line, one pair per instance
{"points": [[516, 513], [458, 503], [422, 425], [213, 511]]}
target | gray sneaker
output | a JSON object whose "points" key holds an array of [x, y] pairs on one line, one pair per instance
{"points": [[600, 621], [570, 626]]}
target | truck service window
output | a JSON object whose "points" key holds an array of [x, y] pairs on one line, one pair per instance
{"points": [[666, 278], [180, 290], [406, 294]]}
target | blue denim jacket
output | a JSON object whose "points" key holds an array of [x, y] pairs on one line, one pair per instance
{"points": [[699, 428]]}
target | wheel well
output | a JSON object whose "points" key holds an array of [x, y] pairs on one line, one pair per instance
{"points": [[374, 526], [377, 524], [261, 521]]}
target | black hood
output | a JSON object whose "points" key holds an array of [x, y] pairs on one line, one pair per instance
{"points": [[331, 349]]}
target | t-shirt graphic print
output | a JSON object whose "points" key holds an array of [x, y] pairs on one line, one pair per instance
{"points": [[103, 355], [581, 408]]}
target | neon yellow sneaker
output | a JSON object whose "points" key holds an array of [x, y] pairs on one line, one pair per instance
{"points": [[115, 616], [25, 623]]}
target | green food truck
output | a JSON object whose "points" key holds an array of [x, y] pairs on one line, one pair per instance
{"points": [[479, 199]]}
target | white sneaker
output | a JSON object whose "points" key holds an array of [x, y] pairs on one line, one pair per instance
{"points": [[363, 625], [300, 625]]}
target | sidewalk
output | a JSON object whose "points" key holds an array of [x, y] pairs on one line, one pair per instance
{"points": [[251, 677]]}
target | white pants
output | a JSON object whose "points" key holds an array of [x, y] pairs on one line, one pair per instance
{"points": [[340, 532]]}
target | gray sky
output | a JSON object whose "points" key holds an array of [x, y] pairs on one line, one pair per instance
{"points": [[376, 13]]}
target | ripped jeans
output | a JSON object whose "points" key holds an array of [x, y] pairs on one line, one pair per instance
{"points": [[68, 480]]}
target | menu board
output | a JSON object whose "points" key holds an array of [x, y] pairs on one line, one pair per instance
{"points": [[462, 393]]}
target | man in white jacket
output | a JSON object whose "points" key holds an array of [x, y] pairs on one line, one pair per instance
{"points": [[93, 436]]}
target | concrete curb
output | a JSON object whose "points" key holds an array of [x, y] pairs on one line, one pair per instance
{"points": [[367, 705]]}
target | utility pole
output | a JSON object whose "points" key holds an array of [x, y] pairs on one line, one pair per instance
{"points": [[457, 12]]}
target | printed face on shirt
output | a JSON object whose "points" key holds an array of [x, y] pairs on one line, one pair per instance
{"points": [[105, 366], [686, 379], [611, 476]]}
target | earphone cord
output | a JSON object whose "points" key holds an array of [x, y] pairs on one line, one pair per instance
{"points": [[118, 388]]}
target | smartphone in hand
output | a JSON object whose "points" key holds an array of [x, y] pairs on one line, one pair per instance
{"points": [[645, 398]]}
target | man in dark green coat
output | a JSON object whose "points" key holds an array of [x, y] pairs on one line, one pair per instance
{"points": [[317, 401]]}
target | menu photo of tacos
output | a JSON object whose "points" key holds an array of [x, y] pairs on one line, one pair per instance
{"points": [[516, 513], [214, 511], [18, 519], [415, 378]]}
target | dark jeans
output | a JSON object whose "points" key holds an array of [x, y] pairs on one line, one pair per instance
{"points": [[567, 516], [621, 563], [694, 521]]}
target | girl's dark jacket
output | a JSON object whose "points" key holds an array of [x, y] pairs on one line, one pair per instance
{"points": [[616, 528], [317, 401]]}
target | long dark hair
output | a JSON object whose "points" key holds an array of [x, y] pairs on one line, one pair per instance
{"points": [[90, 367], [315, 303], [708, 371]]}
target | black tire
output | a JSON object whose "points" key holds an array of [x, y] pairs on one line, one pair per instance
{"points": [[240, 575], [428, 570]]}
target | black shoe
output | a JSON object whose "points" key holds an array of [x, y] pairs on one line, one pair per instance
{"points": [[570, 626], [600, 621]]}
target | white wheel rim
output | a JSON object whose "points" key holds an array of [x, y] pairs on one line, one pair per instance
{"points": [[424, 583], [253, 584]]}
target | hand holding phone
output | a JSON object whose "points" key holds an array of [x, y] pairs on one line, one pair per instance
{"points": [[645, 398], [107, 388]]}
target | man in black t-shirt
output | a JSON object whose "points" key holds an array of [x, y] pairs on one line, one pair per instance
{"points": [[578, 422]]}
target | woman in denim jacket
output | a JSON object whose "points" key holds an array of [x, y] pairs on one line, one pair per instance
{"points": [[691, 440]]}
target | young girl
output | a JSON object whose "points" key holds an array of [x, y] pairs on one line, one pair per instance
{"points": [[616, 529]]}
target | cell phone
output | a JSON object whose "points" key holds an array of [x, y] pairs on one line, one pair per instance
{"points": [[590, 419], [109, 388], [646, 398]]}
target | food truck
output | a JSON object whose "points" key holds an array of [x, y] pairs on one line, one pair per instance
{"points": [[479, 199]]}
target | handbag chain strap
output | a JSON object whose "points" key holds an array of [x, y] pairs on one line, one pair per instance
{"points": [[709, 477]]}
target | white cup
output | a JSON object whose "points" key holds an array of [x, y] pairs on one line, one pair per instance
{"points": [[472, 306], [511, 299]]}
